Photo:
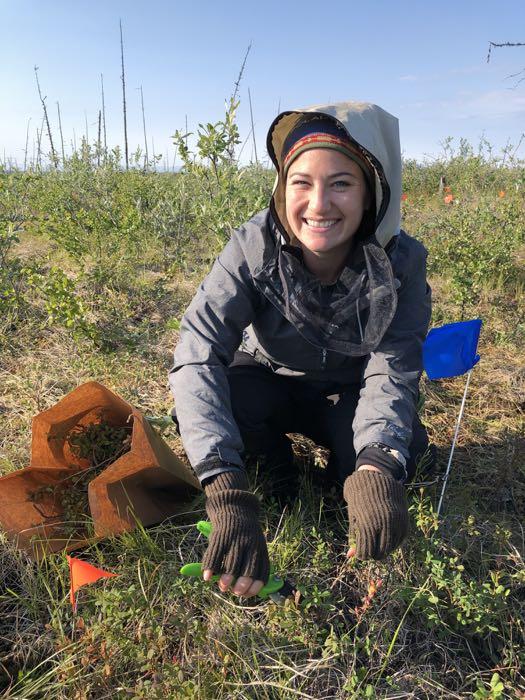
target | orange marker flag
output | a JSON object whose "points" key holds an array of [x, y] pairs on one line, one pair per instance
{"points": [[81, 573]]}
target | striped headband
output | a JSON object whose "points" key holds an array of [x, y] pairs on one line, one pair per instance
{"points": [[322, 139]]}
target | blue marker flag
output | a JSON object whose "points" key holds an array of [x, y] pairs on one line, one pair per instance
{"points": [[450, 350]]}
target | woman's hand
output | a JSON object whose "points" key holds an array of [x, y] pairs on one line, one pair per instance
{"points": [[364, 467], [377, 513], [237, 546], [244, 586]]}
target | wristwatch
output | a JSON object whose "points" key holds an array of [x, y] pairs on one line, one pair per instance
{"points": [[396, 454], [384, 457]]}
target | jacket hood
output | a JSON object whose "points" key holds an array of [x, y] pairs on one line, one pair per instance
{"points": [[375, 133]]}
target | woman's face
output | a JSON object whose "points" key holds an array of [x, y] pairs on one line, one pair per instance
{"points": [[326, 197]]}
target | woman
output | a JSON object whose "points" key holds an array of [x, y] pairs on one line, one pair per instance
{"points": [[311, 320]]}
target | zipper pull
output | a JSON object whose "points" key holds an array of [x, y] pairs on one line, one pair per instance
{"points": [[323, 358]]}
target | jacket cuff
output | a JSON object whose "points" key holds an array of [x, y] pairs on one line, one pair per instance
{"points": [[215, 465], [380, 457], [227, 481]]}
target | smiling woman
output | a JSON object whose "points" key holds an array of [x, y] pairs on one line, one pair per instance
{"points": [[311, 321], [326, 197]]}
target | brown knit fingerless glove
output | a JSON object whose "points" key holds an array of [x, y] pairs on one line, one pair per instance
{"points": [[237, 545], [377, 513]]}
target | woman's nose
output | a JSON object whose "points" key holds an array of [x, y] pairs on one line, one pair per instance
{"points": [[320, 199]]}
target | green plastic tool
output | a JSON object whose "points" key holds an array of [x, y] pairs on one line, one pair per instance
{"points": [[270, 590]]}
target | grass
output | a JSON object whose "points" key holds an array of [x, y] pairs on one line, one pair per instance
{"points": [[446, 620]]}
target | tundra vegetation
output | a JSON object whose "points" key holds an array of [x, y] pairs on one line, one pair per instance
{"points": [[97, 266]]}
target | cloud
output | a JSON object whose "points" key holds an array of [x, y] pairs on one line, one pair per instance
{"points": [[493, 104], [490, 105], [421, 104], [442, 75], [468, 70]]}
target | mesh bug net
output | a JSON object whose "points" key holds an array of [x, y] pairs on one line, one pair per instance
{"points": [[350, 316]]}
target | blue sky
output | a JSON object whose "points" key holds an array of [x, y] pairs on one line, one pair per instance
{"points": [[424, 62]]}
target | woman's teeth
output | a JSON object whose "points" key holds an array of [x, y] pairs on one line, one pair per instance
{"points": [[321, 224]]}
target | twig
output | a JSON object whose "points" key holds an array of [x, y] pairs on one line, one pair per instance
{"points": [[239, 77], [146, 157], [103, 115], [123, 78], [344, 568], [253, 128], [493, 45], [61, 135], [504, 45], [27, 140], [39, 144], [419, 484], [43, 101], [99, 144]]}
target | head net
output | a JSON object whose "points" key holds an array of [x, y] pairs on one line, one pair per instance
{"points": [[350, 316]]}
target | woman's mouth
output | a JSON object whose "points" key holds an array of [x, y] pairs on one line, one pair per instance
{"points": [[321, 223]]}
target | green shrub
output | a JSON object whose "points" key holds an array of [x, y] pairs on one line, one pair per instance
{"points": [[474, 247]]}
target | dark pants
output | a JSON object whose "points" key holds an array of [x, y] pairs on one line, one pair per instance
{"points": [[266, 406]]}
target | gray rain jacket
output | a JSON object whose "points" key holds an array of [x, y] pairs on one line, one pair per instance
{"points": [[251, 300]]}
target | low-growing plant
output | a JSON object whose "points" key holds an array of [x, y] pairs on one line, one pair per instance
{"points": [[494, 691], [62, 303], [9, 294], [225, 195]]}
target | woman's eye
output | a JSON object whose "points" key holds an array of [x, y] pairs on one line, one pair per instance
{"points": [[341, 183]]}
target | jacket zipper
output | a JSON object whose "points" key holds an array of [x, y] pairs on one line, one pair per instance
{"points": [[323, 358]]}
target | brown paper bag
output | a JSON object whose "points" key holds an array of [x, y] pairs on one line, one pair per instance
{"points": [[146, 484]]}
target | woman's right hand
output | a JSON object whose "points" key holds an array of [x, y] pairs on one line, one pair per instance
{"points": [[237, 547], [244, 585]]}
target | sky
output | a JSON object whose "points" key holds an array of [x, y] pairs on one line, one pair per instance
{"points": [[425, 62]]}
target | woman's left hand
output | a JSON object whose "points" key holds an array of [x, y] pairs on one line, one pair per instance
{"points": [[366, 467], [377, 513]]}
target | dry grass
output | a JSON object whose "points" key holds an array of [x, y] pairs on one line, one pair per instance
{"points": [[210, 646]]}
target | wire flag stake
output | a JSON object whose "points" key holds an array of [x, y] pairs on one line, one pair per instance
{"points": [[458, 423], [450, 351]]}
